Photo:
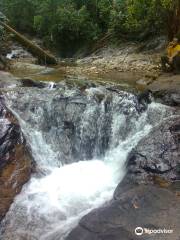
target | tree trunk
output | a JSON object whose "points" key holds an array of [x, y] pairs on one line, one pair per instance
{"points": [[42, 55], [174, 20]]}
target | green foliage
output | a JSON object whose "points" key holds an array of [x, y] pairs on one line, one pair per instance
{"points": [[73, 28], [1, 33], [140, 18], [65, 25], [71, 24], [20, 12]]}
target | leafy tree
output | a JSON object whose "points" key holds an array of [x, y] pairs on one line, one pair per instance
{"points": [[20, 12], [65, 26], [71, 24]]}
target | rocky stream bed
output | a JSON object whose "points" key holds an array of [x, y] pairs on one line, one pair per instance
{"points": [[86, 155]]}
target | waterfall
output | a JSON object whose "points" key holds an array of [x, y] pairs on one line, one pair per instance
{"points": [[80, 142]]}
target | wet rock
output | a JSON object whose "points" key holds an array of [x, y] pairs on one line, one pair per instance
{"points": [[79, 82], [7, 80], [32, 83], [15, 159], [171, 98], [75, 121], [166, 89], [144, 99], [157, 154], [143, 206]]}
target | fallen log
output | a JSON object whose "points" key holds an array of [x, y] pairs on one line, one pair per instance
{"points": [[35, 50]]}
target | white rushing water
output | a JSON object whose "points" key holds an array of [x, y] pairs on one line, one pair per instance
{"points": [[51, 204]]}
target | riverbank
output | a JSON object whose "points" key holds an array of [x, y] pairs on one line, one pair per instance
{"points": [[131, 65], [128, 56], [125, 65]]}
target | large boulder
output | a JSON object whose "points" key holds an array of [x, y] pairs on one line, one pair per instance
{"points": [[166, 89], [156, 155], [148, 207], [15, 159], [168, 97]]}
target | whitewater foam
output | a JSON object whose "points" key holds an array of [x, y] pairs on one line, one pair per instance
{"points": [[50, 205]]}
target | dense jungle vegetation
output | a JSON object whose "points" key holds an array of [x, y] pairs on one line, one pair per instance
{"points": [[71, 24]]}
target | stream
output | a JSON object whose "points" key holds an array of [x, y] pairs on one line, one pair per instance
{"points": [[80, 141]]}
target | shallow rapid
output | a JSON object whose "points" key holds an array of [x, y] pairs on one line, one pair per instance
{"points": [[80, 141]]}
